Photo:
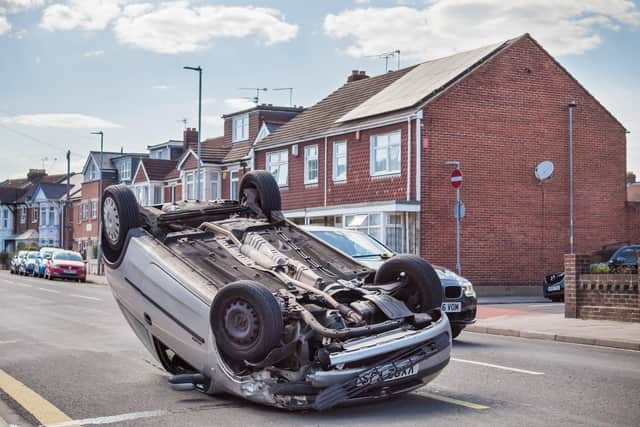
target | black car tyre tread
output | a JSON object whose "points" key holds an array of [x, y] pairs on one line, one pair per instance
{"points": [[267, 188], [456, 330], [129, 218], [423, 293], [268, 316]]}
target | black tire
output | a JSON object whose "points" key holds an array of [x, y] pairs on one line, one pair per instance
{"points": [[423, 293], [268, 192], [120, 216], [246, 321], [456, 330]]}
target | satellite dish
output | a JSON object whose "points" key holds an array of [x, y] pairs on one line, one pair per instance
{"points": [[544, 170]]}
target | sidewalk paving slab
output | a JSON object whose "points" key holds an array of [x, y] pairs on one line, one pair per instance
{"points": [[555, 327]]}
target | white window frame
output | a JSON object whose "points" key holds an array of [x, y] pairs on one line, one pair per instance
{"points": [[189, 193], [307, 168], [271, 163], [125, 171], [23, 214], [240, 127], [383, 141], [36, 215], [52, 216], [337, 178], [94, 209], [85, 211], [233, 181], [214, 186], [174, 192], [43, 216], [5, 218]]}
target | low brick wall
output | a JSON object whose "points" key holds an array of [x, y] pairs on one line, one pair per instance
{"points": [[599, 296]]}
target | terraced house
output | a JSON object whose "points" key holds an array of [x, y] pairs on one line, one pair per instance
{"points": [[372, 156]]}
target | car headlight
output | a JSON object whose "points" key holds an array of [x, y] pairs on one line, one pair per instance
{"points": [[467, 289]]}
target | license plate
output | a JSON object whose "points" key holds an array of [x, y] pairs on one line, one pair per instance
{"points": [[451, 307], [386, 373], [69, 271], [553, 288]]}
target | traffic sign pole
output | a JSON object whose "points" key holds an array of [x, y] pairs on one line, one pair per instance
{"points": [[456, 182]]}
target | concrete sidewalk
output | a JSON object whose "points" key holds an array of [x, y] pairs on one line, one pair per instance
{"points": [[96, 280], [555, 327]]}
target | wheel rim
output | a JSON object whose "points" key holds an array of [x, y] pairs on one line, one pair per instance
{"points": [[241, 322], [111, 220]]}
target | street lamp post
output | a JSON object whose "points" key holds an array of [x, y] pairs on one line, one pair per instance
{"points": [[198, 182], [100, 197]]}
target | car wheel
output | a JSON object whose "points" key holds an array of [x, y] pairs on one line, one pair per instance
{"points": [[246, 321], [456, 330], [260, 189], [423, 292], [119, 214]]}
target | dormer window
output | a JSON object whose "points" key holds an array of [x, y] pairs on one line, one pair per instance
{"points": [[240, 129]]}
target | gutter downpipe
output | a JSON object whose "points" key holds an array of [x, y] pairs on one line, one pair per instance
{"points": [[571, 106], [408, 159], [418, 153], [325, 171]]}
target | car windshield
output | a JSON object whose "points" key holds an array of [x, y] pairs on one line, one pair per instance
{"points": [[67, 256], [33, 255], [353, 243]]}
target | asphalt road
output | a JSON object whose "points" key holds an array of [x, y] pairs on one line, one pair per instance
{"points": [[69, 344]]}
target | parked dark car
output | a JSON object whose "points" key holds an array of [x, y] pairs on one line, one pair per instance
{"points": [[616, 258], [66, 265], [28, 263], [459, 299], [16, 261]]}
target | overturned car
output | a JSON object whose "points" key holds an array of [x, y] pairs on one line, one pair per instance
{"points": [[231, 297]]}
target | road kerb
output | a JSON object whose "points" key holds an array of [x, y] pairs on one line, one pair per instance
{"points": [[624, 345]]}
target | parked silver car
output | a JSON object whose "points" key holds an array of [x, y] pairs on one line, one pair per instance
{"points": [[459, 297], [231, 297]]}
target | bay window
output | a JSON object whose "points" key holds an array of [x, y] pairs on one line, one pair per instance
{"points": [[189, 190]]}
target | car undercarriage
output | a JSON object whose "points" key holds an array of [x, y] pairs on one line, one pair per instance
{"points": [[232, 297]]}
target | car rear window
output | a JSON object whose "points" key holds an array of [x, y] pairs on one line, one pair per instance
{"points": [[67, 256]]}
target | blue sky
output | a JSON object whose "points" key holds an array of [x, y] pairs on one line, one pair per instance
{"points": [[72, 66]]}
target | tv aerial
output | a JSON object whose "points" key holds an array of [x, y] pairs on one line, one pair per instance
{"points": [[256, 98], [290, 89], [386, 56]]}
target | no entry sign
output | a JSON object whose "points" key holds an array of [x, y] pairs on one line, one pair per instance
{"points": [[456, 178]]}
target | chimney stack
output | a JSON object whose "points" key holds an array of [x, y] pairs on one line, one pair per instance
{"points": [[190, 138], [36, 174], [357, 75]]}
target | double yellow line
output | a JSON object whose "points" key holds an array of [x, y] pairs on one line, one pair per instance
{"points": [[31, 401]]}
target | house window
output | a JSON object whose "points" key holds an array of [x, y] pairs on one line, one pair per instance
{"points": [[233, 193], [85, 211], [366, 223], [23, 214], [157, 195], [5, 218], [240, 128], [394, 232], [385, 154], [278, 165], [189, 186], [52, 215], [94, 209], [43, 216], [214, 190], [340, 161], [92, 172], [125, 170], [311, 164], [34, 214], [145, 195], [173, 193]]}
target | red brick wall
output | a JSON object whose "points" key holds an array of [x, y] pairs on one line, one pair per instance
{"points": [[140, 176], [29, 224], [190, 163], [500, 122], [360, 187], [89, 193]]}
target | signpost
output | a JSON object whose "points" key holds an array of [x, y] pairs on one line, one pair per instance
{"points": [[458, 212]]}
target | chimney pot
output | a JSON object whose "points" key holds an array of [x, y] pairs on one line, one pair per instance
{"points": [[357, 75]]}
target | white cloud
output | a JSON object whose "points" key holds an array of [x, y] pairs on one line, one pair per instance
{"points": [[4, 25], [238, 104], [177, 27], [212, 125], [91, 53], [15, 6], [87, 15], [444, 27], [57, 120]]}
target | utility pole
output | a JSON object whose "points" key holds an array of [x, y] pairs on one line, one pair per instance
{"points": [[101, 133], [198, 183], [66, 202]]}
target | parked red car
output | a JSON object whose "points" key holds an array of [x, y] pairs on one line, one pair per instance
{"points": [[66, 265]]}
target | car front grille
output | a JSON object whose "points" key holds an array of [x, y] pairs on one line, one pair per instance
{"points": [[453, 292]]}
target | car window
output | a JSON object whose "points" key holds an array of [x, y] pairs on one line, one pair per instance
{"points": [[352, 243], [630, 256], [32, 255], [67, 256]]}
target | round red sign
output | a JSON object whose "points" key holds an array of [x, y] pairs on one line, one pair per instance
{"points": [[456, 178]]}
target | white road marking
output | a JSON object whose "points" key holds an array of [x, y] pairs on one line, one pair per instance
{"points": [[49, 290], [86, 297], [491, 365], [110, 419], [544, 304], [9, 342], [17, 284]]}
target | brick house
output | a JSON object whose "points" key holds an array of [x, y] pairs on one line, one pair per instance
{"points": [[225, 159], [150, 180], [350, 161]]}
